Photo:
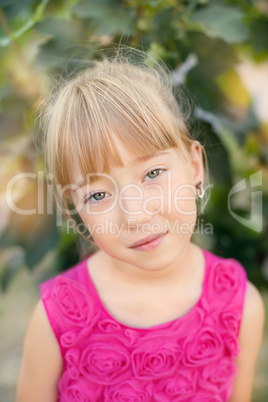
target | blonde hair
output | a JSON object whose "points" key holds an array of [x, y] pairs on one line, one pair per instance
{"points": [[115, 96]]}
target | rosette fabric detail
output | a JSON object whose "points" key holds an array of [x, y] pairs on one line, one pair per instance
{"points": [[191, 358]]}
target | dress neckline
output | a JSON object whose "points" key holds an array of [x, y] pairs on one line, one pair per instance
{"points": [[108, 315]]}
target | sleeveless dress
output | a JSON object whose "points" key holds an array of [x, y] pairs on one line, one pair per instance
{"points": [[191, 358]]}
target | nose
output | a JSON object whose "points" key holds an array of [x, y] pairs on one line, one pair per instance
{"points": [[137, 206]]}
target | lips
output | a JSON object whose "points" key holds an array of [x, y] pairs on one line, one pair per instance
{"points": [[147, 239]]}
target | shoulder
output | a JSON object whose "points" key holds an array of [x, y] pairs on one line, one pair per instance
{"points": [[41, 365], [252, 324], [253, 314], [250, 338], [39, 332], [253, 297]]}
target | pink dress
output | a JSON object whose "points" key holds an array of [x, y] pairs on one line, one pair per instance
{"points": [[191, 358]]}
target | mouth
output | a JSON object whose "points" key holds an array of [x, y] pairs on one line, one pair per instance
{"points": [[148, 242]]}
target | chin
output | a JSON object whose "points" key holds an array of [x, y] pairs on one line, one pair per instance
{"points": [[155, 264]]}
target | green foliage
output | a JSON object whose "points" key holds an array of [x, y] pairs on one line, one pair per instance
{"points": [[121, 20], [259, 36], [221, 21], [23, 18], [201, 41]]}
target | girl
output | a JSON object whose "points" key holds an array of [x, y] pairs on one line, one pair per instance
{"points": [[149, 316]]}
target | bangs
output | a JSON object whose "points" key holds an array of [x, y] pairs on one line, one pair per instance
{"points": [[118, 101]]}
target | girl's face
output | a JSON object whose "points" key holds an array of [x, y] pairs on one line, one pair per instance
{"points": [[144, 212]]}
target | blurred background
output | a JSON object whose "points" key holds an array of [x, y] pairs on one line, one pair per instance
{"points": [[218, 49]]}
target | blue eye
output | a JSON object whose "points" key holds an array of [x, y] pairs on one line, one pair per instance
{"points": [[95, 197]]}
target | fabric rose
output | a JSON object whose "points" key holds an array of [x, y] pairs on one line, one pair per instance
{"points": [[180, 387], [75, 305], [203, 347], [212, 319], [130, 391], [231, 345], [230, 321], [73, 337], [108, 326], [105, 360], [155, 357], [132, 335], [69, 339], [223, 282], [206, 397], [72, 358], [79, 390], [226, 278], [226, 321], [215, 377], [180, 327]]}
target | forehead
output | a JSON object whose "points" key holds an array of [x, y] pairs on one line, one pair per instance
{"points": [[125, 158], [128, 155]]}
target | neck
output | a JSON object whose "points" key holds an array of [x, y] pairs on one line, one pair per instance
{"points": [[180, 270]]}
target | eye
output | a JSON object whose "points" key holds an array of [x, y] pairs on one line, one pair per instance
{"points": [[95, 197], [154, 173]]}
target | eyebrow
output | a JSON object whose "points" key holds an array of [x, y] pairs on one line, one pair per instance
{"points": [[150, 156], [95, 177]]}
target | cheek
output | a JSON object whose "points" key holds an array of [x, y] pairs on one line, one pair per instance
{"points": [[184, 200], [183, 194], [102, 227], [173, 194]]}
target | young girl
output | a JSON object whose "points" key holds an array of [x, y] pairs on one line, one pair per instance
{"points": [[149, 316]]}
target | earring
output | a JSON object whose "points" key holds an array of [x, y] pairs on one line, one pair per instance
{"points": [[200, 192]]}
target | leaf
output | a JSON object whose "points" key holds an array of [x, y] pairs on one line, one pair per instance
{"points": [[37, 16], [61, 8], [62, 50], [201, 80], [220, 21], [259, 36], [14, 8], [121, 19]]}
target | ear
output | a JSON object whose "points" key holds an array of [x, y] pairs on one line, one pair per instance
{"points": [[197, 162]]}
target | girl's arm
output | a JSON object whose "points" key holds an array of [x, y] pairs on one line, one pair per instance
{"points": [[249, 340], [41, 362]]}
